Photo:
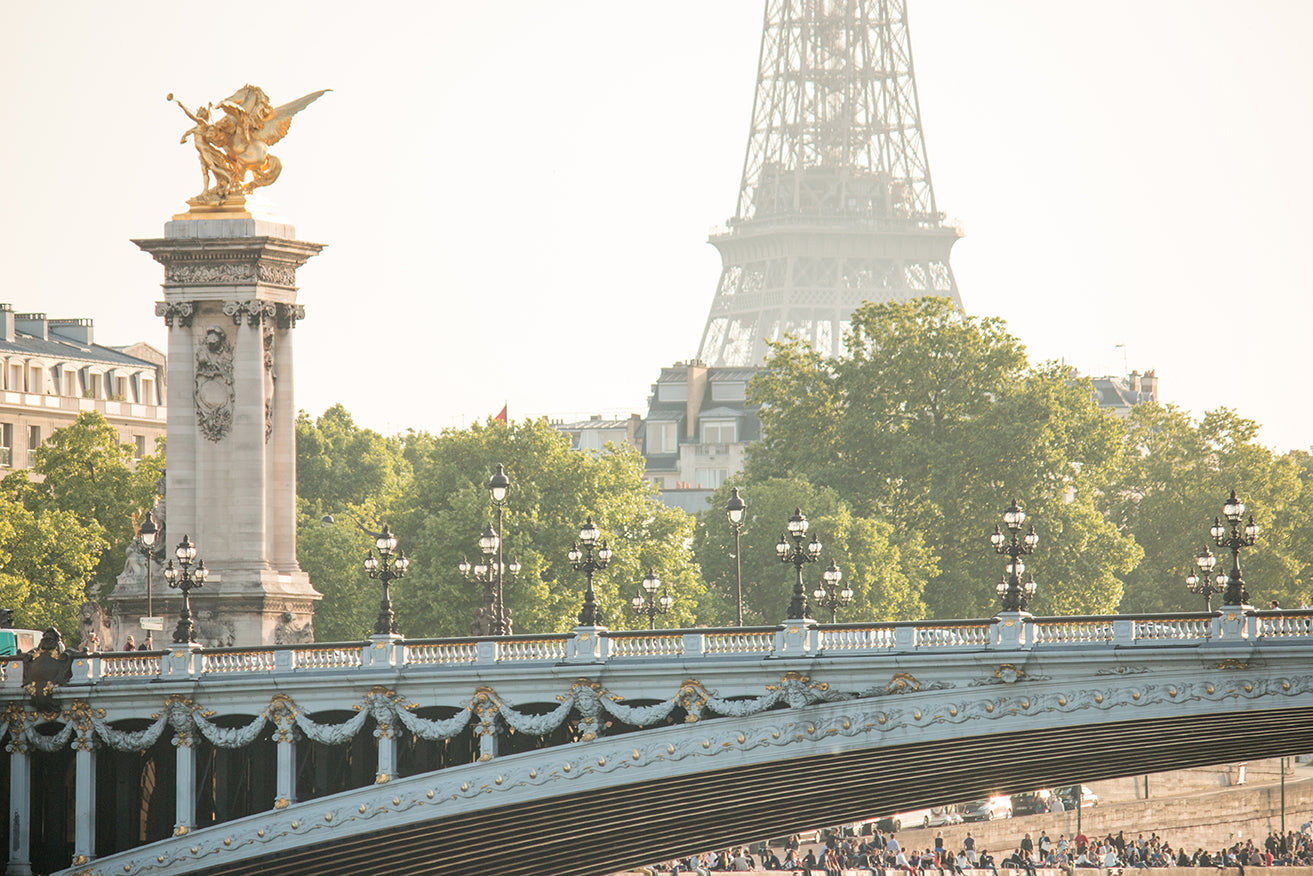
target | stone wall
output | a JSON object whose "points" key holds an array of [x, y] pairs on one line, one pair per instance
{"points": [[1205, 820]]}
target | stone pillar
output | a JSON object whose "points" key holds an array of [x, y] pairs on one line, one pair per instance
{"points": [[84, 793], [20, 804], [230, 305], [284, 718], [387, 755], [185, 810]]}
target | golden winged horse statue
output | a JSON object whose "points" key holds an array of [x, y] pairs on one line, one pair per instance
{"points": [[238, 144]]}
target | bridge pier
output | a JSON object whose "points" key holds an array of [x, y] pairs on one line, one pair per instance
{"points": [[20, 809]]}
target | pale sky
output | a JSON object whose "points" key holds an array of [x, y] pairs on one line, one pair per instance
{"points": [[516, 195]]}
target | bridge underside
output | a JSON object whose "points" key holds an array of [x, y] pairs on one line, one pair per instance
{"points": [[605, 830]]}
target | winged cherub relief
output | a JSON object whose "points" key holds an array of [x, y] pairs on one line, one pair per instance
{"points": [[238, 144]]}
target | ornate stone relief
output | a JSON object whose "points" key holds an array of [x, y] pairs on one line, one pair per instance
{"points": [[270, 380], [179, 312], [210, 273], [214, 392]]}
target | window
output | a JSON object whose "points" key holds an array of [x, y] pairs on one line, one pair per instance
{"points": [[710, 478], [97, 381], [729, 391], [120, 389], [662, 438], [15, 377], [147, 396], [7, 444], [71, 383], [33, 437], [668, 392], [139, 446], [36, 379], [719, 432]]}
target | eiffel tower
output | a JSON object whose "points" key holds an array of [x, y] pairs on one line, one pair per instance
{"points": [[835, 203]]}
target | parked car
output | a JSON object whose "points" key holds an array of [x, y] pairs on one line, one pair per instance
{"points": [[998, 806], [1030, 803], [942, 816], [899, 820], [1069, 794]]}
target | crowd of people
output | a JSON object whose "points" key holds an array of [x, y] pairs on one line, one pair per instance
{"points": [[883, 851]]}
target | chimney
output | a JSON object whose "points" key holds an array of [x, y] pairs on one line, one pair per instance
{"points": [[697, 390], [7, 310], [33, 324], [1135, 381], [79, 331], [1150, 384]]}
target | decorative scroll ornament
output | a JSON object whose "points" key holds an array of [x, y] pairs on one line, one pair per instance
{"points": [[214, 392], [238, 143], [179, 312], [254, 312]]}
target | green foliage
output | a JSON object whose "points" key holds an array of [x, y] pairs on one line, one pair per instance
{"points": [[886, 570], [352, 474], [65, 524], [1178, 474], [431, 490], [933, 421], [553, 490]]}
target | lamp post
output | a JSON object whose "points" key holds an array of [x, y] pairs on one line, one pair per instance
{"points": [[386, 569], [588, 562], [735, 509], [1233, 509], [647, 602], [185, 578], [799, 556], [1015, 594], [498, 486], [1204, 583], [146, 534], [489, 573], [827, 593]]}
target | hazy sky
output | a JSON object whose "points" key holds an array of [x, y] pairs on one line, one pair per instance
{"points": [[516, 195]]}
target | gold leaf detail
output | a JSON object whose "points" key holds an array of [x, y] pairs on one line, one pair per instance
{"points": [[881, 719], [361, 809], [635, 754], [1098, 697], [464, 786], [952, 710], [497, 781], [989, 707], [429, 795], [567, 767], [260, 833], [227, 841], [1135, 694], [533, 774], [706, 743], [1062, 701], [328, 816]]}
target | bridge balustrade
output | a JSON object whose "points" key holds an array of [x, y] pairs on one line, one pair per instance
{"points": [[465, 696]]}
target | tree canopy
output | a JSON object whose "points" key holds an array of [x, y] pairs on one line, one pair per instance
{"points": [[932, 421], [66, 523], [432, 491]]}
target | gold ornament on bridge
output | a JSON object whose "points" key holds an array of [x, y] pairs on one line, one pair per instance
{"points": [[236, 143]]}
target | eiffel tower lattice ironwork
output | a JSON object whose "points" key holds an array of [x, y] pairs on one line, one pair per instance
{"points": [[835, 204]]}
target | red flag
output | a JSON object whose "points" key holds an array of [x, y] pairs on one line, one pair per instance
{"points": [[501, 418]]}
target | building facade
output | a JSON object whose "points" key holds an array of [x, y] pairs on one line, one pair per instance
{"points": [[699, 423], [54, 370]]}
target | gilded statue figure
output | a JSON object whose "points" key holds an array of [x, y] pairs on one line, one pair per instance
{"points": [[238, 143]]}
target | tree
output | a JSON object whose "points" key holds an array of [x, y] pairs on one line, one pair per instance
{"points": [[352, 474], [553, 490], [887, 570], [65, 525], [84, 469], [933, 421], [1177, 475]]}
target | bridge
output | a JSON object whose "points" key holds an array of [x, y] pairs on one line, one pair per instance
{"points": [[595, 750]]}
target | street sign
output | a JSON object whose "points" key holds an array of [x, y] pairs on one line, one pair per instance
{"points": [[152, 623]]}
